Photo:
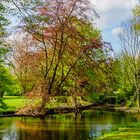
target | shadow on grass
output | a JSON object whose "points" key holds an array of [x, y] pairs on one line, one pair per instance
{"points": [[2, 104]]}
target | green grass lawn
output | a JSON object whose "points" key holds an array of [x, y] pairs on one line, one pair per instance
{"points": [[12, 104], [130, 132]]}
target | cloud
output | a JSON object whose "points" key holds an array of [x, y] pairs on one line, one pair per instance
{"points": [[113, 12], [117, 31]]}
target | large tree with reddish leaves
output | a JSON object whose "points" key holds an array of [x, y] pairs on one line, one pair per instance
{"points": [[65, 37]]}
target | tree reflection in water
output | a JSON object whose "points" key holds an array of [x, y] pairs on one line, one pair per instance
{"points": [[85, 126]]}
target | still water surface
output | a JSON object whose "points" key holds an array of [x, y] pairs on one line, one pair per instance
{"points": [[87, 126]]}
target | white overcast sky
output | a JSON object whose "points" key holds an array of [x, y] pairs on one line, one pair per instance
{"points": [[112, 13]]}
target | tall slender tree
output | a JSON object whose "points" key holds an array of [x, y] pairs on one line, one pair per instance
{"points": [[5, 77], [130, 41]]}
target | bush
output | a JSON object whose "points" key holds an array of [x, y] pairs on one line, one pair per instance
{"points": [[97, 97], [61, 99], [3, 105], [124, 97]]}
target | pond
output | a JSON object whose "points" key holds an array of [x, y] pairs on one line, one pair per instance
{"points": [[88, 125]]}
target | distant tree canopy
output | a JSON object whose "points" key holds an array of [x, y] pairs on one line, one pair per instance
{"points": [[3, 21], [136, 10], [6, 79], [136, 13]]}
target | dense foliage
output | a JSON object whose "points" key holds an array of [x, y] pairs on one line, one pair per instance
{"points": [[7, 82]]}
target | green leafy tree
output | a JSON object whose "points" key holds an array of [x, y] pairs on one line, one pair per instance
{"points": [[6, 80], [3, 21], [136, 14], [130, 41]]}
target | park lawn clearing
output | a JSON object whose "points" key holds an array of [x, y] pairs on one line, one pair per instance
{"points": [[12, 104]]}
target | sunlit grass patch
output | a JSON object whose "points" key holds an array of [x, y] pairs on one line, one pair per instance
{"points": [[12, 103], [129, 132]]}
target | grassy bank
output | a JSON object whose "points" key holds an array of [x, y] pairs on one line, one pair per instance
{"points": [[11, 104], [129, 132]]}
